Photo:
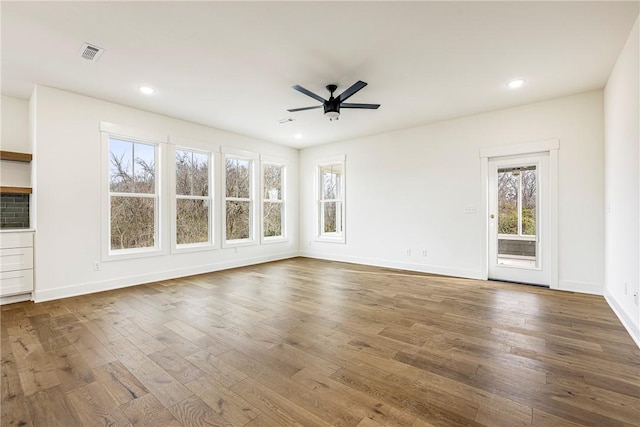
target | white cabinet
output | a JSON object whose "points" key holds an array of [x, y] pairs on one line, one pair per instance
{"points": [[16, 262]]}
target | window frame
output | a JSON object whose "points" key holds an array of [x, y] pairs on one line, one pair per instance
{"points": [[213, 153], [274, 161], [109, 131], [254, 209], [320, 235]]}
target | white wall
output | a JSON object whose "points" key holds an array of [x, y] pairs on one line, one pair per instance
{"points": [[67, 192], [622, 184], [409, 188], [15, 137]]}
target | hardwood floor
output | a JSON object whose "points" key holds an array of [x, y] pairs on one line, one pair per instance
{"points": [[317, 343]]}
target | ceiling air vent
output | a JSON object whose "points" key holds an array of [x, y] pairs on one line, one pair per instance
{"points": [[91, 52]]}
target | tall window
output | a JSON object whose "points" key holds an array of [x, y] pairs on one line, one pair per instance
{"points": [[238, 199], [331, 201], [273, 201], [133, 195], [193, 198]]}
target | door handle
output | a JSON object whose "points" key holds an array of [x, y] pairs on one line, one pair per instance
{"points": [[492, 216]]}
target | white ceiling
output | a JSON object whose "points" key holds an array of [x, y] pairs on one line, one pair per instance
{"points": [[231, 65]]}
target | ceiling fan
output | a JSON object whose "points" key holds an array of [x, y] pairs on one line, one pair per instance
{"points": [[333, 104]]}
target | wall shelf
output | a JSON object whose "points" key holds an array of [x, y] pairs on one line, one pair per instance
{"points": [[15, 190], [16, 157]]}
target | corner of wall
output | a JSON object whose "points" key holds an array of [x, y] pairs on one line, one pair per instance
{"points": [[633, 327], [622, 189]]}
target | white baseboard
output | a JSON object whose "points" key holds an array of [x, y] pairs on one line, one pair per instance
{"points": [[123, 282], [630, 325], [15, 298], [581, 287], [421, 268]]}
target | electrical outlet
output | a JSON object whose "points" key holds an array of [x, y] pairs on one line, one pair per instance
{"points": [[424, 252], [97, 266], [408, 252]]}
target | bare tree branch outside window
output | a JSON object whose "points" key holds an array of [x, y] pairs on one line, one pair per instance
{"points": [[132, 194], [193, 201], [331, 199], [238, 204], [273, 205]]}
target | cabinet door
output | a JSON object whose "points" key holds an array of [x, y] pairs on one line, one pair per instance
{"points": [[16, 259], [16, 282], [16, 240]]}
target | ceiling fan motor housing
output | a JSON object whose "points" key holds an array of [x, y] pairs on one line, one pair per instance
{"points": [[332, 108]]}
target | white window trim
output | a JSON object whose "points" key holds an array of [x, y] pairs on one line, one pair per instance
{"points": [[319, 236], [107, 131], [254, 229], [213, 151], [277, 161]]}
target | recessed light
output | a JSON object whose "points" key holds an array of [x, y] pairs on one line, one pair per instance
{"points": [[298, 136], [515, 84], [146, 90]]}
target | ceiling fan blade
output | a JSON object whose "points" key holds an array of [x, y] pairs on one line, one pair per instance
{"points": [[309, 93], [353, 89], [293, 110], [367, 106]]}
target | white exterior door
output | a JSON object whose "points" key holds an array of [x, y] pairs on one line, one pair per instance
{"points": [[519, 219]]}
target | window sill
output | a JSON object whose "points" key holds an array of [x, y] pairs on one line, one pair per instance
{"points": [[124, 254], [238, 243], [193, 247], [271, 240], [330, 239]]}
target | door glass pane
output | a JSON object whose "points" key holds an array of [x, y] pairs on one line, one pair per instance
{"points": [[529, 198], [508, 183], [517, 216]]}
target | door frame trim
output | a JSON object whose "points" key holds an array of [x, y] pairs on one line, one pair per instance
{"points": [[551, 146]]}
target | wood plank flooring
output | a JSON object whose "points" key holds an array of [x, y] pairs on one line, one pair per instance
{"points": [[317, 343]]}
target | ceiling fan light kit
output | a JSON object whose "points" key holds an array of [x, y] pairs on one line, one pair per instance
{"points": [[333, 104]]}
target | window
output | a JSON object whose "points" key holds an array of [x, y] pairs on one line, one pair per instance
{"points": [[193, 198], [331, 206], [273, 201], [133, 195], [239, 199], [517, 200]]}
